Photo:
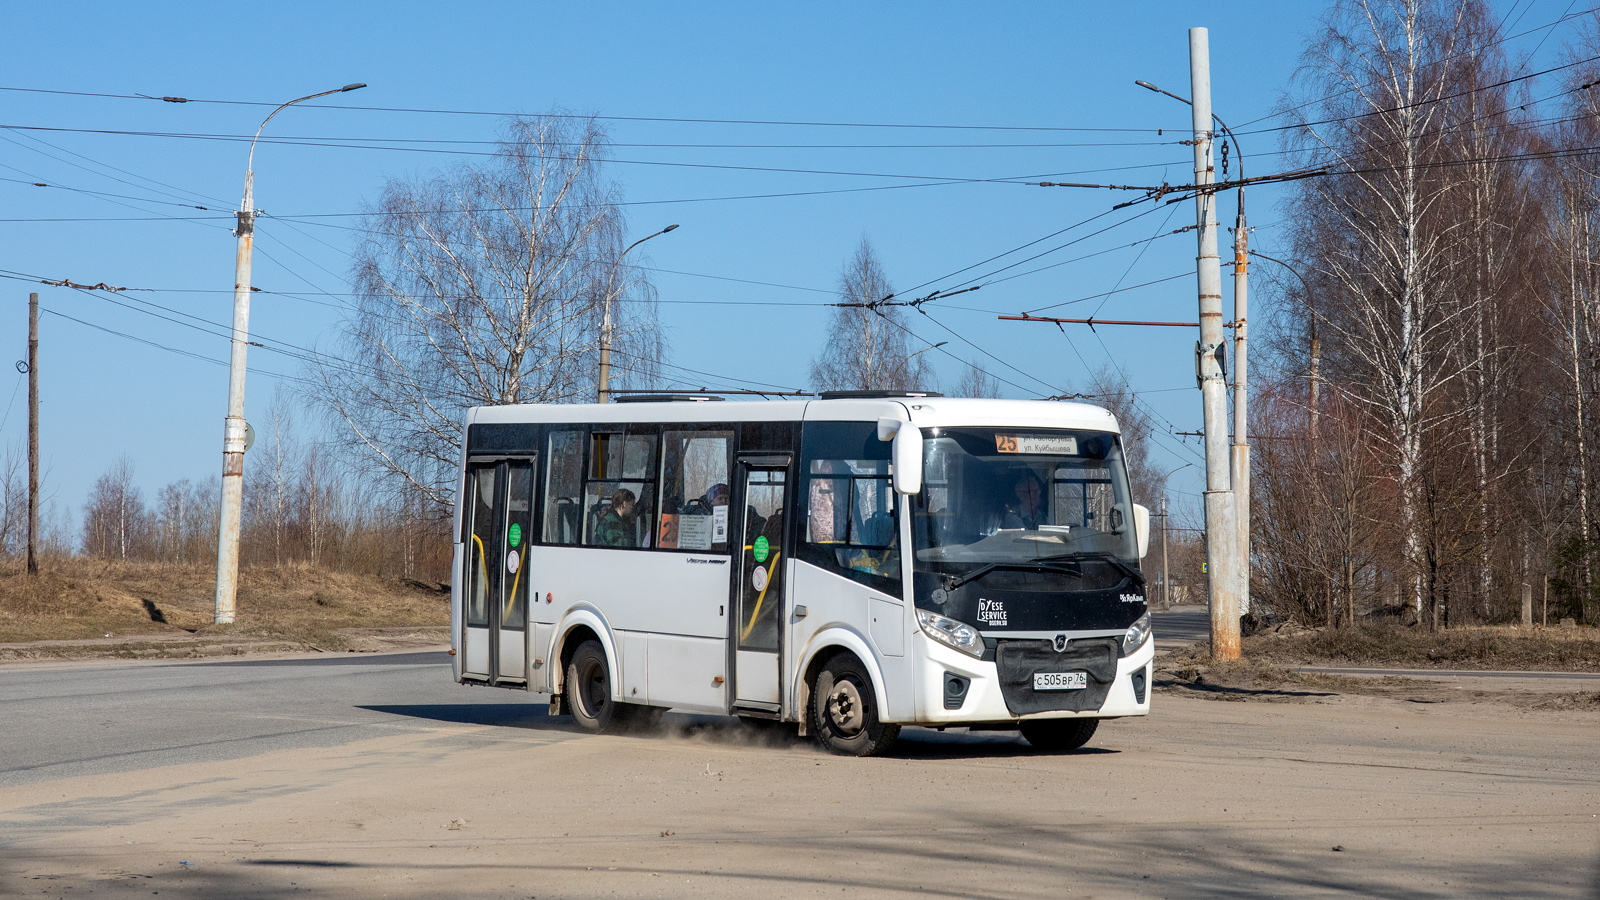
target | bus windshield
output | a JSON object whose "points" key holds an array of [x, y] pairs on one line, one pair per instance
{"points": [[1054, 501]]}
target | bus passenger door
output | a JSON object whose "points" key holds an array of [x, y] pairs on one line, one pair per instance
{"points": [[494, 635], [758, 626]]}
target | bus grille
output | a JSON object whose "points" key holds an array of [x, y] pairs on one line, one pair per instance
{"points": [[1017, 661]]}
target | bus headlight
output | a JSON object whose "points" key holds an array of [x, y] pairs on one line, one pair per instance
{"points": [[1136, 635], [950, 632]]}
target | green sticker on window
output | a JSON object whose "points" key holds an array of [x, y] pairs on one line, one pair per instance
{"points": [[761, 548], [515, 535]]}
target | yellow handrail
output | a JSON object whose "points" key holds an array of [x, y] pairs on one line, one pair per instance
{"points": [[482, 566], [760, 598]]}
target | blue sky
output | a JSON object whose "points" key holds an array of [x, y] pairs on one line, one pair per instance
{"points": [[1037, 66]]}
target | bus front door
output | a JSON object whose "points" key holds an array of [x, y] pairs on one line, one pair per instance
{"points": [[758, 626], [494, 604]]}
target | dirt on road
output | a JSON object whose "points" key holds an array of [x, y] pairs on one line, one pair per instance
{"points": [[1334, 795]]}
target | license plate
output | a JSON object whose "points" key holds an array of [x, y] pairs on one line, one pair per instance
{"points": [[1060, 681]]}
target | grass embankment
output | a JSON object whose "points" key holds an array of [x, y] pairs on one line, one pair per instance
{"points": [[1505, 647], [135, 609], [1268, 669]]}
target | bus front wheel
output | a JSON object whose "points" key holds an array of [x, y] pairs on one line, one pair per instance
{"points": [[1059, 735], [845, 710]]}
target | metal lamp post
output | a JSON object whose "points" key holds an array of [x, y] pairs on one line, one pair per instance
{"points": [[605, 322], [233, 433]]}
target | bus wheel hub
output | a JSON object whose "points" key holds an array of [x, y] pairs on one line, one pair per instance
{"points": [[844, 707]]}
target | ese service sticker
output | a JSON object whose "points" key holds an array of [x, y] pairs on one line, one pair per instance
{"points": [[758, 578], [761, 548], [513, 561], [515, 535]]}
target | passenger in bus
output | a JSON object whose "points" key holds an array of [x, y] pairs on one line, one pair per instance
{"points": [[716, 495], [616, 527]]}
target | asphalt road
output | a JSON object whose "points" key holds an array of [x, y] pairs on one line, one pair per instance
{"points": [[100, 718], [368, 776]]}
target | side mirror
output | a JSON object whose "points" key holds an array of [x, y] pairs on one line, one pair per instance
{"points": [[1141, 528], [907, 456]]}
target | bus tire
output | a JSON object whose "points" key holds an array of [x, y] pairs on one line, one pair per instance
{"points": [[844, 710], [1059, 735], [589, 691]]}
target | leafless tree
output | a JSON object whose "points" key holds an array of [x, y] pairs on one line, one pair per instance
{"points": [[13, 502], [269, 503], [115, 519], [975, 382], [868, 345], [1148, 480], [485, 285], [1378, 232]]}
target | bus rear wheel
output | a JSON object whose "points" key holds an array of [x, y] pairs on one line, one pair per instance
{"points": [[1059, 735], [589, 692], [844, 710]]}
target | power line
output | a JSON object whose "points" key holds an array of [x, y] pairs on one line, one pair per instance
{"points": [[665, 119], [786, 170], [1430, 64]]}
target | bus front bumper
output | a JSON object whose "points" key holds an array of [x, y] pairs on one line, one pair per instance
{"points": [[983, 702]]}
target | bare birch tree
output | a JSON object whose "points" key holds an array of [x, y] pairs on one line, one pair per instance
{"points": [[868, 346], [114, 519], [485, 285], [1377, 231]]}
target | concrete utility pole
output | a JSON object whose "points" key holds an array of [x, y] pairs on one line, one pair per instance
{"points": [[1222, 543], [233, 431], [604, 394], [33, 434]]}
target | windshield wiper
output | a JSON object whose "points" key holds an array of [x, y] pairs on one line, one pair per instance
{"points": [[1111, 558], [952, 582]]}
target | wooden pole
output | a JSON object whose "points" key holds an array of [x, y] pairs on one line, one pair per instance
{"points": [[33, 434]]}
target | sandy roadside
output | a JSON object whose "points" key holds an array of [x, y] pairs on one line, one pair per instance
{"points": [[1202, 799]]}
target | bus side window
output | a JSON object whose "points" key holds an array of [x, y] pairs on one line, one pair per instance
{"points": [[619, 496], [563, 488], [694, 490], [848, 504]]}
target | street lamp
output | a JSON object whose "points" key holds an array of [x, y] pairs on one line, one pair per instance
{"points": [[233, 431], [605, 322], [1239, 458], [927, 348]]}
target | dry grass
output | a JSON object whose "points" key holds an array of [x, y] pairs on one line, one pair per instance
{"points": [[1193, 670], [1483, 647], [79, 599]]}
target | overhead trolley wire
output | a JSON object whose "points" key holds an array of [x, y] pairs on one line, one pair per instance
{"points": [[665, 119], [786, 170]]}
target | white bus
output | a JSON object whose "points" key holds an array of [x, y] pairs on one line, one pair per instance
{"points": [[852, 564]]}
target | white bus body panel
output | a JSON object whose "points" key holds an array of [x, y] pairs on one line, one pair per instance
{"points": [[838, 614], [672, 606]]}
